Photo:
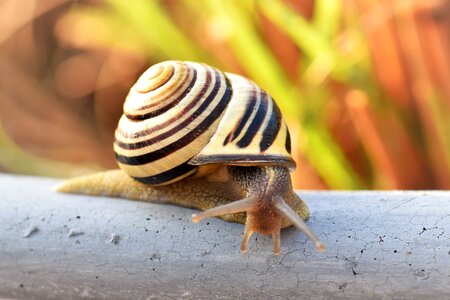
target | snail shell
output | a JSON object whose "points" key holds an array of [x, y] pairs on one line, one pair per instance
{"points": [[180, 116]]}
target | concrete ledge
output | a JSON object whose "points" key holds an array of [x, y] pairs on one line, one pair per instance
{"points": [[380, 245]]}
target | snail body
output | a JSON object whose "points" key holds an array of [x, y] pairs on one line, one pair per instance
{"points": [[194, 136]]}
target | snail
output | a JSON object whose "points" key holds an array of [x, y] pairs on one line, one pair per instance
{"points": [[194, 136]]}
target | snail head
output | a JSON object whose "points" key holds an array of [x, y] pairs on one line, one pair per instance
{"points": [[269, 196]]}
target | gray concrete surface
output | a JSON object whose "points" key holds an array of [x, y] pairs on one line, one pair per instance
{"points": [[381, 245]]}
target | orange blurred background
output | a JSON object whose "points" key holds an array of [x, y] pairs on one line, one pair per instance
{"points": [[364, 84]]}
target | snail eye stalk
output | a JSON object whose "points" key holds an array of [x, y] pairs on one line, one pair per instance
{"points": [[229, 208], [299, 223]]}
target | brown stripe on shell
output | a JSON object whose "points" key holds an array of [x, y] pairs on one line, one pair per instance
{"points": [[256, 122], [287, 143], [174, 174], [252, 101], [272, 128]]}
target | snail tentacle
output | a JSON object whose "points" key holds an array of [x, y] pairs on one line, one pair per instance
{"points": [[229, 208], [276, 236], [247, 234], [299, 223]]}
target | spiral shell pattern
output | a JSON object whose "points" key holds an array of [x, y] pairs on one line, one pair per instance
{"points": [[180, 115]]}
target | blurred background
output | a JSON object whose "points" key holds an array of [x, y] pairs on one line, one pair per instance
{"points": [[364, 84]]}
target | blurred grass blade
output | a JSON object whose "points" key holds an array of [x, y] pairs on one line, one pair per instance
{"points": [[152, 23], [326, 157], [310, 40], [437, 128], [372, 141], [327, 17]]}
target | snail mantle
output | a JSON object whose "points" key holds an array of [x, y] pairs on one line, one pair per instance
{"points": [[379, 245]]}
